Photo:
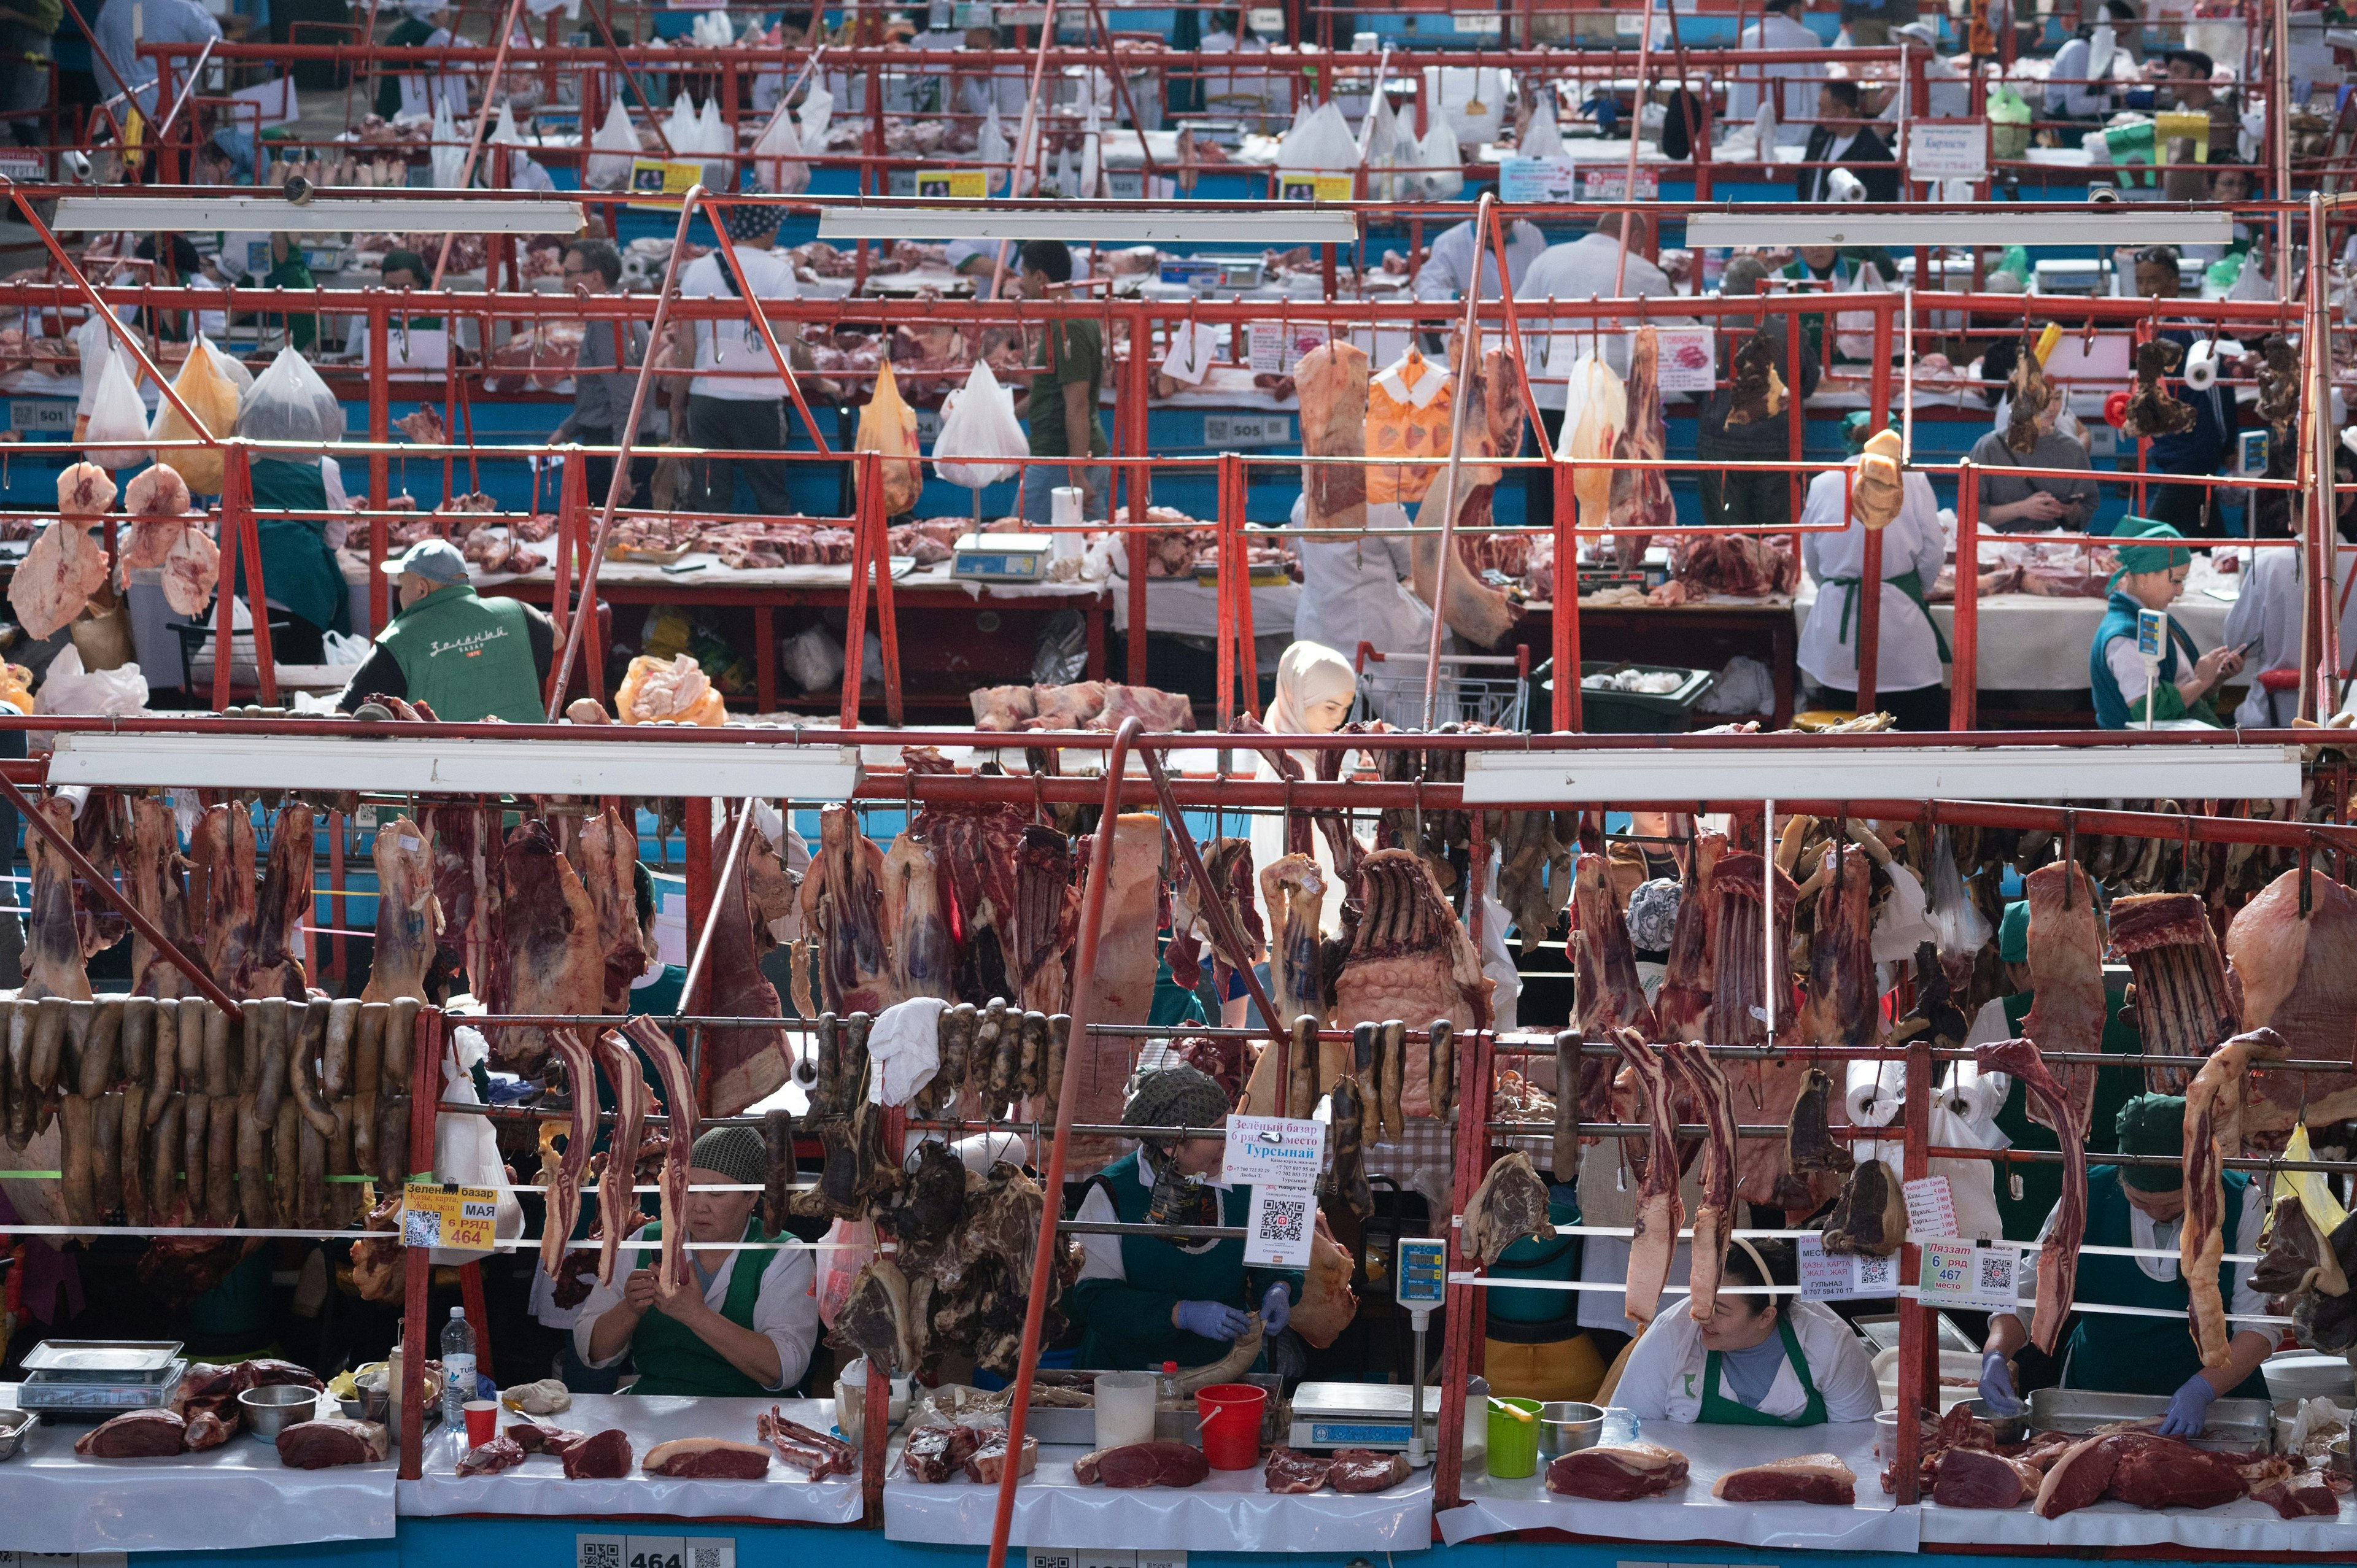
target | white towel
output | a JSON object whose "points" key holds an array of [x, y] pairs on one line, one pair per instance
{"points": [[905, 1048]]}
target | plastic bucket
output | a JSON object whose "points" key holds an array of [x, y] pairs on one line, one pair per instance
{"points": [[1231, 1413], [1513, 1441]]}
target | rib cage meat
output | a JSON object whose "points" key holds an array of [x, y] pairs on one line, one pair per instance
{"points": [[1408, 958], [2299, 975], [2186, 999]]}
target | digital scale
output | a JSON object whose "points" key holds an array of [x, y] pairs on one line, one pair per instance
{"points": [[1001, 557], [1378, 1415], [95, 1379]]}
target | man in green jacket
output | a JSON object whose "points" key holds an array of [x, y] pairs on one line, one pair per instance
{"points": [[469, 658]]}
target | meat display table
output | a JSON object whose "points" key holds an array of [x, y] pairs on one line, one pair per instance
{"points": [[238, 1495], [1231, 1512], [2246, 1528], [1701, 635], [1873, 1523], [538, 1487], [2032, 644]]}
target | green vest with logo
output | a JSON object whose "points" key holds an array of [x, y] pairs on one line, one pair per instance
{"points": [[670, 1356], [469, 656]]}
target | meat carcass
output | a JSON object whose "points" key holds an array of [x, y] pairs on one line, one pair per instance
{"points": [[706, 1459], [1122, 989], [1804, 1479], [1617, 1472], [1047, 916], [1843, 1009], [843, 901], [606, 854], [916, 927], [275, 964], [1682, 1007], [2213, 1134], [1740, 997], [1870, 1218], [618, 1205], [545, 959], [2186, 999], [1641, 505], [1133, 1464], [1331, 381], [2066, 970], [155, 878], [408, 916], [1293, 889], [1408, 957], [1510, 1204], [57, 577], [1491, 428], [1606, 993], [320, 1444], [2298, 974], [1660, 1210], [747, 1062], [2058, 1258], [55, 963], [1003, 708], [680, 1102], [1714, 1216]]}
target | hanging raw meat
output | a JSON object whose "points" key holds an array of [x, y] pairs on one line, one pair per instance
{"points": [[1843, 1009], [978, 848], [1120, 989], [1681, 1006], [54, 960], [1047, 913], [843, 901], [155, 878], [1492, 429], [2213, 1134], [1641, 504], [466, 841], [634, 1101], [1294, 890], [1331, 383], [57, 577], [747, 1062], [1660, 1210], [1758, 392], [1227, 865], [563, 1183], [275, 968], [605, 853], [1408, 956], [2185, 998], [915, 925], [2066, 971], [545, 958], [2151, 411], [2058, 1108], [1608, 992], [679, 1100], [1601, 413], [1714, 1218], [2299, 973]]}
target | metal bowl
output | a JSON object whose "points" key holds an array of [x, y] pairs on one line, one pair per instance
{"points": [[270, 1410], [2337, 1456], [2009, 1428], [16, 1430], [1566, 1426]]}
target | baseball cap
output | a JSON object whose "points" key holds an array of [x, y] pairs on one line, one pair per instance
{"points": [[435, 560]]}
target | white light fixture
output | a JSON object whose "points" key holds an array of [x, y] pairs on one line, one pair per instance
{"points": [[1277, 224], [1899, 773], [324, 215], [2024, 225], [456, 767]]}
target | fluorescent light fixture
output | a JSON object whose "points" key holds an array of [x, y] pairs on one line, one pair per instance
{"points": [[456, 767], [1899, 773], [325, 215], [1280, 223], [2023, 225]]}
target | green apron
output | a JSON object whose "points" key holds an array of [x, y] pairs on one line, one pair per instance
{"points": [[1909, 583], [2124, 1355], [299, 570], [1717, 1410], [670, 1356], [1126, 1323], [469, 656]]}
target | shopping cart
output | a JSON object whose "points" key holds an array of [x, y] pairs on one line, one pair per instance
{"points": [[1490, 689]]}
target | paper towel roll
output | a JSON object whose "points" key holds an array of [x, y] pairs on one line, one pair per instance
{"points": [[1065, 513], [2201, 365]]}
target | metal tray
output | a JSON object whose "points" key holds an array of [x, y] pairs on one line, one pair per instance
{"points": [[98, 1399], [107, 1361], [2240, 1424]]}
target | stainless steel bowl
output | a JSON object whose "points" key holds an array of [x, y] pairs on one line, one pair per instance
{"points": [[2009, 1428], [270, 1410], [16, 1431], [2335, 1456], [1566, 1426]]}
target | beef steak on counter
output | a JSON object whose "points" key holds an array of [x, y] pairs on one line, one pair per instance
{"points": [[707, 1459], [1805, 1478], [1364, 1470], [1143, 1465], [601, 1457], [140, 1434], [1617, 1473], [1295, 1474], [318, 1445]]}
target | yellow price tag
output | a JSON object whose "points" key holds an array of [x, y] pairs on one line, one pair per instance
{"points": [[1306, 186], [953, 184], [458, 1218], [664, 177]]}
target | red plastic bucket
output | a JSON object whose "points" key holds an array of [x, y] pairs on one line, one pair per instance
{"points": [[1231, 1413]]}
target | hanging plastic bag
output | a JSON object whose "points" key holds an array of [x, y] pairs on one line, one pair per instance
{"points": [[1442, 162], [94, 342], [614, 148], [678, 128], [116, 415], [449, 154], [978, 430], [714, 137], [1320, 139], [887, 424], [1381, 140], [777, 156], [288, 402], [213, 397], [1541, 138], [818, 112], [467, 1147], [990, 149]]}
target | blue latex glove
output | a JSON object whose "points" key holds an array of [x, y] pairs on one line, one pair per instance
{"points": [[1277, 1307], [2189, 1408], [1213, 1319], [1997, 1385]]}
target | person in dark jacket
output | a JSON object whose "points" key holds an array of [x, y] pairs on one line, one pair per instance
{"points": [[2200, 448], [1842, 139], [1736, 498], [469, 658]]}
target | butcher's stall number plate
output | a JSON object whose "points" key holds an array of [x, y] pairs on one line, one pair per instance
{"points": [[654, 1552]]}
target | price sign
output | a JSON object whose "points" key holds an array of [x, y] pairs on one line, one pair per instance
{"points": [[664, 177], [1957, 1273], [1307, 185], [654, 1552], [1833, 1276], [1686, 359], [1931, 1207], [953, 184], [1277, 346], [1947, 149], [1612, 185], [1537, 179], [1279, 1157], [457, 1218]]}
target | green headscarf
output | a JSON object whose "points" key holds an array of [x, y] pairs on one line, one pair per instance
{"points": [[2153, 1124], [2013, 932], [1855, 426], [2145, 557]]}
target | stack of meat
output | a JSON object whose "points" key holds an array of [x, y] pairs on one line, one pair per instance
{"points": [[541, 356], [1733, 565], [1086, 704]]}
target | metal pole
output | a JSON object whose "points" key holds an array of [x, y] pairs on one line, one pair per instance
{"points": [[1223, 928], [483, 124]]}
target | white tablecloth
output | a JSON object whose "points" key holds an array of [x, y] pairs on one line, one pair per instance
{"points": [[1874, 1523], [238, 1495], [1182, 606], [2246, 1528], [538, 1487], [1231, 1512], [2033, 644]]}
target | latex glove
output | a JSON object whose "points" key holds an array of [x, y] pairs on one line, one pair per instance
{"points": [[1276, 1308], [2189, 1408], [1997, 1385], [1213, 1319]]}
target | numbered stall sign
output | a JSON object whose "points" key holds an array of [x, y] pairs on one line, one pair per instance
{"points": [[1279, 1157], [457, 1218], [654, 1552]]}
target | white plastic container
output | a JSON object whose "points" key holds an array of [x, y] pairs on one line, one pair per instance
{"points": [[2307, 1375], [1124, 1408]]}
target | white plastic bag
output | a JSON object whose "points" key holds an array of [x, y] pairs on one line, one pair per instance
{"points": [[818, 111], [116, 415], [615, 145], [467, 1151], [812, 660], [1541, 138], [1381, 142], [450, 152], [93, 343], [289, 402], [1442, 162], [714, 137], [69, 688], [777, 156], [1320, 139], [989, 148], [979, 429]]}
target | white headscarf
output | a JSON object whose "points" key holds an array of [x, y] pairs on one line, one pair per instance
{"points": [[1307, 674]]}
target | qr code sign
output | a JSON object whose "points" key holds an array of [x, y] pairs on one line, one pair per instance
{"points": [[1281, 1220], [705, 1551], [422, 1227], [598, 1551], [1997, 1271]]}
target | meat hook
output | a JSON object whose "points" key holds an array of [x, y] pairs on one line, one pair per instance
{"points": [[2070, 852]]}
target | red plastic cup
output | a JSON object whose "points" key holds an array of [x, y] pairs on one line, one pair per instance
{"points": [[482, 1422], [1232, 1414]]}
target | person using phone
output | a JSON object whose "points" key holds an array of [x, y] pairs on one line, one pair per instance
{"points": [[2267, 617]]}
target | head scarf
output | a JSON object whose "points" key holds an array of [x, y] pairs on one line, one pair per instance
{"points": [[1654, 915], [1307, 674], [2013, 932], [2152, 557], [2153, 1124], [1175, 1097], [737, 1153], [744, 223]]}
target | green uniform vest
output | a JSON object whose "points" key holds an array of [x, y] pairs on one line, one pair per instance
{"points": [[670, 1356], [1126, 1324], [469, 656], [1717, 1410], [2113, 708], [2124, 1355], [299, 570]]}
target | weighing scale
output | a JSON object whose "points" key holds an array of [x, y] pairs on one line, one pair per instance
{"points": [[1001, 557], [95, 1379], [1376, 1415]]}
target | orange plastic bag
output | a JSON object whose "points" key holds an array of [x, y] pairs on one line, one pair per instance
{"points": [[669, 689], [213, 397], [1407, 416], [887, 424]]}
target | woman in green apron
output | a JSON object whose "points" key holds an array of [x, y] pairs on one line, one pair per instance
{"points": [[747, 1324], [299, 571], [1142, 1300], [2151, 575], [1759, 1359], [2143, 1207], [1908, 649]]}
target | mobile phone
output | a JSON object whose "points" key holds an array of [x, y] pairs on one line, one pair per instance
{"points": [[2243, 651]]}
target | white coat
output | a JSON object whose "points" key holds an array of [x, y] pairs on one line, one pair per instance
{"points": [[2268, 610], [1664, 1379], [1581, 270], [1355, 589], [1448, 272], [1908, 656], [1796, 99]]}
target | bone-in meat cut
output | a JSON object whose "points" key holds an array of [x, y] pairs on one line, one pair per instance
{"points": [[1294, 890], [1047, 916], [1134, 1464], [1805, 1478], [679, 1097], [57, 577], [1607, 992], [2058, 1257], [2213, 1134], [601, 1457], [408, 916], [932, 1453], [2185, 999], [618, 1205], [1641, 504], [1510, 1204], [1714, 1215], [1740, 997], [1408, 957], [817, 1454], [1293, 1474], [1870, 1218], [2299, 973], [322, 1444], [155, 878], [1973, 1478], [1491, 428], [706, 1459], [605, 853], [916, 923], [546, 956], [1227, 867], [2066, 971], [1122, 989], [1617, 1472], [843, 902], [1659, 1209], [1331, 383], [564, 1195]]}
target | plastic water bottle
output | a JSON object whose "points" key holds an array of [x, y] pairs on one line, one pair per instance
{"points": [[457, 1370], [1168, 1391]]}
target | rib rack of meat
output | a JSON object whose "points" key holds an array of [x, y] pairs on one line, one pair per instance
{"points": [[1659, 1208], [843, 901], [2066, 970], [2213, 1134], [1682, 1007], [1227, 865], [2294, 948], [545, 957], [2058, 1258], [618, 1205], [1740, 994], [1842, 1009], [817, 1454], [747, 1062], [564, 1193], [1045, 919], [2186, 999], [1608, 992], [1408, 957]]}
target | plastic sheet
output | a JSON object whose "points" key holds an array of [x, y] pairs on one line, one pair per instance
{"points": [[1874, 1523], [235, 1496], [538, 1486], [2246, 1528], [1231, 1512]]}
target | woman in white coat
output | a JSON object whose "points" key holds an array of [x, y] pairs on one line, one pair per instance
{"points": [[1909, 650], [1756, 1360]]}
